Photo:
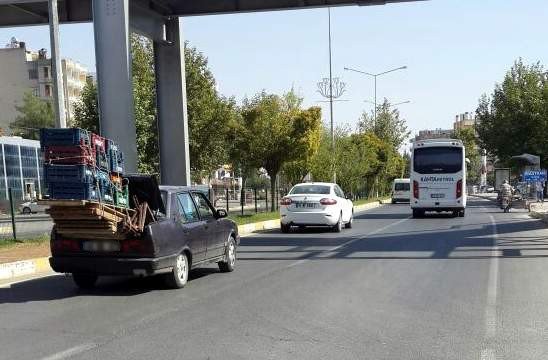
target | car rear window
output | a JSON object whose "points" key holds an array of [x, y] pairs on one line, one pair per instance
{"points": [[310, 189], [401, 186]]}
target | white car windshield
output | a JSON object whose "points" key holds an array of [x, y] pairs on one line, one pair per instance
{"points": [[310, 189]]}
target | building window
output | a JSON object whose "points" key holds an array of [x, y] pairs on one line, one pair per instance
{"points": [[46, 72], [47, 90], [33, 74], [36, 92]]}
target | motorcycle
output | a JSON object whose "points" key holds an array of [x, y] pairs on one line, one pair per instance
{"points": [[506, 203]]}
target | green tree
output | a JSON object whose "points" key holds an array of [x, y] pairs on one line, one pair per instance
{"points": [[281, 133], [514, 119], [144, 98], [468, 138], [34, 114], [86, 111], [388, 126], [209, 116]]}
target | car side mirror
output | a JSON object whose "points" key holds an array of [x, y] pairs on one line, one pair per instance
{"points": [[221, 213]]}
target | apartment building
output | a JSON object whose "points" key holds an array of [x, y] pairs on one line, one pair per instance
{"points": [[23, 70]]}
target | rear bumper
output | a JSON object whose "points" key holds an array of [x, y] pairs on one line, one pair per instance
{"points": [[111, 265], [309, 218], [400, 199]]}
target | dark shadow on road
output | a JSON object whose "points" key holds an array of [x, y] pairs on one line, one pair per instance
{"points": [[62, 287], [384, 215], [455, 243]]}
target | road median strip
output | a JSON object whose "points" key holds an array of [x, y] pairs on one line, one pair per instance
{"points": [[22, 268]]}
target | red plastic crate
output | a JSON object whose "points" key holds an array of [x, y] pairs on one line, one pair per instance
{"points": [[70, 155], [98, 142]]}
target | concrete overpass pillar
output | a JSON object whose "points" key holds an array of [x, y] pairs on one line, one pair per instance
{"points": [[172, 106], [114, 81], [56, 71]]}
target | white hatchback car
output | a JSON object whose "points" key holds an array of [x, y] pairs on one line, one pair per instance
{"points": [[316, 204]]}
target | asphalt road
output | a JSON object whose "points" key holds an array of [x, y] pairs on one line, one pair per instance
{"points": [[390, 288]]}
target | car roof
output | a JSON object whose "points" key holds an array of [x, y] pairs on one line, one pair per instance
{"points": [[316, 183], [402, 180]]}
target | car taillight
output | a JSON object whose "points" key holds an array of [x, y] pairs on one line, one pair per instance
{"points": [[285, 201], [65, 245], [459, 188], [136, 246], [415, 189], [328, 201]]}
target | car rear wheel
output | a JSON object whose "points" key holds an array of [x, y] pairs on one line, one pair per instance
{"points": [[417, 213], [178, 277], [84, 281], [348, 225], [461, 213], [229, 263], [339, 225], [26, 210]]}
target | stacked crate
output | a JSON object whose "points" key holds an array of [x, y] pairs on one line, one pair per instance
{"points": [[78, 166], [116, 165]]}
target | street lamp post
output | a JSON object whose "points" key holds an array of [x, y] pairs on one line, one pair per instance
{"points": [[375, 76], [392, 105]]}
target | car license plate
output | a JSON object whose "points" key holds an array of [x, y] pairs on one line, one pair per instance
{"points": [[101, 246], [304, 205], [437, 196]]}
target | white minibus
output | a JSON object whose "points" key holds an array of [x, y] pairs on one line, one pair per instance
{"points": [[401, 190]]}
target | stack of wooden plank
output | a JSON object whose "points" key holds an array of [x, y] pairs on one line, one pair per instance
{"points": [[85, 219]]}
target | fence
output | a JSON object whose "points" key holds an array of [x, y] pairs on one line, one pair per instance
{"points": [[246, 202]]}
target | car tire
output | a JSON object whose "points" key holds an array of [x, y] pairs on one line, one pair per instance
{"points": [[348, 225], [27, 211], [461, 213], [85, 280], [393, 201], [229, 263], [417, 214], [285, 228], [339, 225], [178, 277]]}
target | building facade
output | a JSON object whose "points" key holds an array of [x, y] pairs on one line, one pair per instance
{"points": [[434, 134], [464, 121], [21, 168], [23, 70]]}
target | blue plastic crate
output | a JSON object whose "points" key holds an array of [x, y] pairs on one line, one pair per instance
{"points": [[69, 174], [103, 161], [64, 137], [117, 162], [73, 191], [106, 187]]}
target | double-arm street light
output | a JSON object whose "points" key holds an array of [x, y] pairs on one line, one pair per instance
{"points": [[375, 76], [391, 105]]}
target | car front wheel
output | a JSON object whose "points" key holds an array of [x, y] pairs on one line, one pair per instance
{"points": [[26, 211], [229, 263]]}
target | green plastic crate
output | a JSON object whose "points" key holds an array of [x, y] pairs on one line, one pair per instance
{"points": [[121, 198]]}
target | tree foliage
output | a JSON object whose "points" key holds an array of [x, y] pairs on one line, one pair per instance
{"points": [[277, 132], [86, 110], [388, 126], [514, 118], [468, 138], [35, 113]]}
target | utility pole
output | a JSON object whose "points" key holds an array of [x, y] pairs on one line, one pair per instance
{"points": [[331, 88]]}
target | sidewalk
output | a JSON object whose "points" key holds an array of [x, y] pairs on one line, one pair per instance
{"points": [[39, 265]]}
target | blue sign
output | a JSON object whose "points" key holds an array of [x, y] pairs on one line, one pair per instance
{"points": [[534, 175]]}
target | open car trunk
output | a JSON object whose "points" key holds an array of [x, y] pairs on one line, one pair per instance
{"points": [[145, 188]]}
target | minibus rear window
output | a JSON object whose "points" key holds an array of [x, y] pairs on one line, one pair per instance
{"points": [[438, 160]]}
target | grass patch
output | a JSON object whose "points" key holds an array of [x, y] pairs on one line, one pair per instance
{"points": [[252, 218], [35, 240], [367, 201]]}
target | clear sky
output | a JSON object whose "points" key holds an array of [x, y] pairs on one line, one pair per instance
{"points": [[455, 50]]}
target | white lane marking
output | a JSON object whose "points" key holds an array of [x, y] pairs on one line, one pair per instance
{"points": [[492, 288], [336, 248], [71, 352]]}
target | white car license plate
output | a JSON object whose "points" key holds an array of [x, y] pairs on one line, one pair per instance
{"points": [[304, 205], [101, 246], [437, 196]]}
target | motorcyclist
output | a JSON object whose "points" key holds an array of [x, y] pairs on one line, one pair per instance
{"points": [[506, 194]]}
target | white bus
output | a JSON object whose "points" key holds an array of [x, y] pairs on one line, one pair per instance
{"points": [[438, 177]]}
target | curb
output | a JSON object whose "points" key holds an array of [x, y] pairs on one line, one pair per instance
{"points": [[24, 267], [17, 269]]}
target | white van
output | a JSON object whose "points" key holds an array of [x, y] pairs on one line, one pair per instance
{"points": [[438, 177], [401, 190]]}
